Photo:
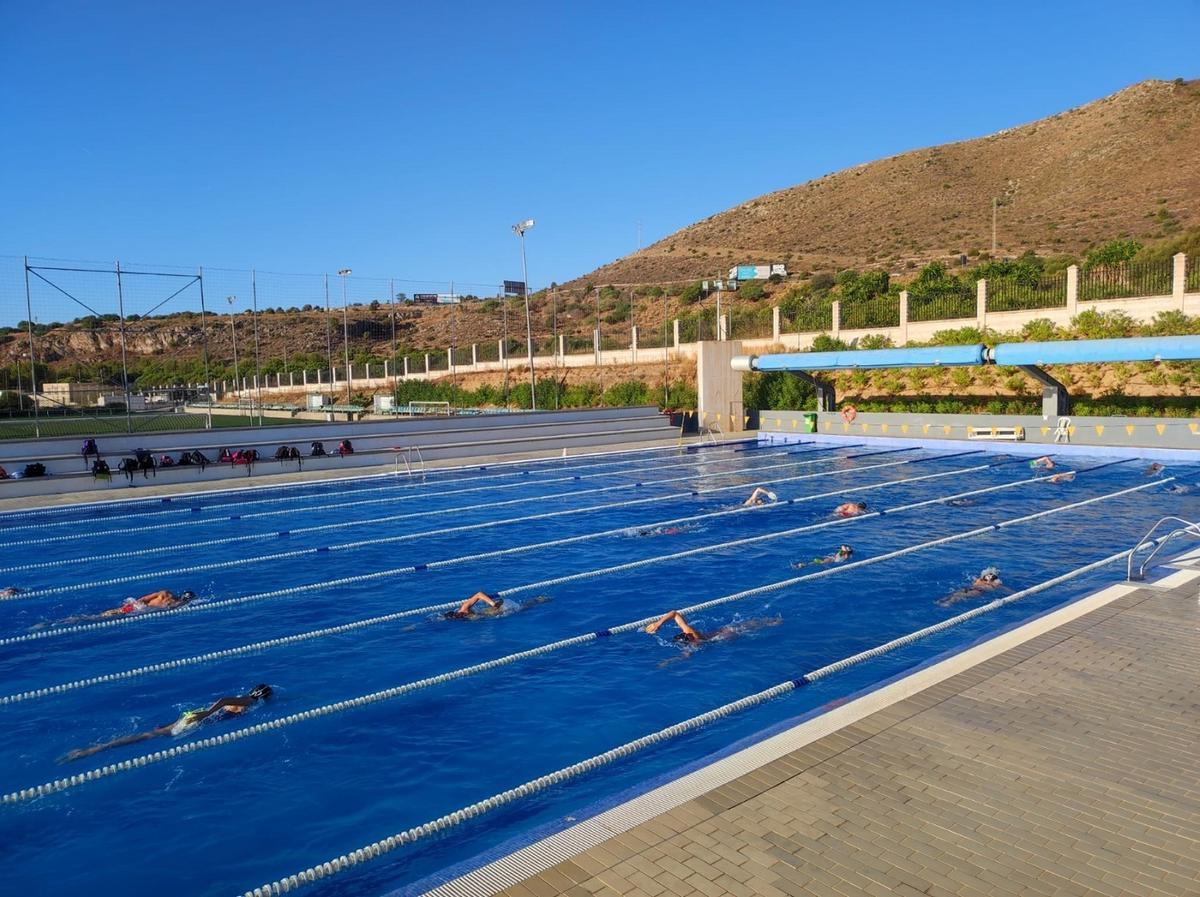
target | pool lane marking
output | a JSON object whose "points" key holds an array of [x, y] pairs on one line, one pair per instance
{"points": [[278, 593], [391, 489], [275, 534], [437, 608], [442, 823], [323, 710], [733, 447], [305, 552]]}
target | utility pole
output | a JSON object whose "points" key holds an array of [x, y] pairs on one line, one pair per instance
{"points": [[995, 204]]}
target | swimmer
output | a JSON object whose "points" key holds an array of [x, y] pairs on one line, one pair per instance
{"points": [[692, 639], [760, 496], [1043, 463], [466, 610], [1066, 476], [163, 599], [10, 592], [1153, 469], [221, 709], [663, 530], [961, 502], [850, 509], [1181, 489], [987, 580], [844, 553]]}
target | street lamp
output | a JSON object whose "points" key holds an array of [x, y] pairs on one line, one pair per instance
{"points": [[233, 330], [519, 230], [343, 274]]}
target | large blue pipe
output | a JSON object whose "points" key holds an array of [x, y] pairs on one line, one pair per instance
{"points": [[933, 356], [1091, 351]]}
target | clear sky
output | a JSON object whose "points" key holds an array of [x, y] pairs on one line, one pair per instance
{"points": [[404, 138]]}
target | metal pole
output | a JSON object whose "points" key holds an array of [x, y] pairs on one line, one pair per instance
{"points": [[718, 334], [236, 373], [204, 344], [346, 336], [37, 430], [392, 305], [329, 331], [554, 347], [528, 329], [257, 365], [504, 307], [599, 350], [453, 339], [124, 362], [994, 203]]}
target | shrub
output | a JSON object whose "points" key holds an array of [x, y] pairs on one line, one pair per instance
{"points": [[1092, 324], [751, 290], [692, 293], [1041, 330], [823, 342], [1112, 253], [627, 392], [875, 341]]}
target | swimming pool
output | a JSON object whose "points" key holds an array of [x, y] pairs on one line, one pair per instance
{"points": [[334, 594]]}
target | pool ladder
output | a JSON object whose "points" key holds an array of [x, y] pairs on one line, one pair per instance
{"points": [[414, 461], [1188, 528]]}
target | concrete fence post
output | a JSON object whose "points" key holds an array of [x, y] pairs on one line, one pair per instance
{"points": [[427, 365], [474, 354], [1072, 290], [450, 359], [981, 303], [562, 346], [596, 343], [633, 338], [675, 332], [775, 328], [319, 376], [291, 378], [405, 365], [903, 317], [1178, 278], [368, 373], [723, 327], [837, 317], [500, 349]]}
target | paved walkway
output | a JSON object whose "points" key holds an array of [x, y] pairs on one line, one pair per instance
{"points": [[1066, 766]]}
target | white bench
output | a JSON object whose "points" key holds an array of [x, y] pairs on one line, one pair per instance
{"points": [[1007, 434]]}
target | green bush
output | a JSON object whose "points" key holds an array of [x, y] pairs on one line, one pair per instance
{"points": [[1092, 324], [1112, 253], [692, 293], [1040, 331], [627, 392], [751, 290], [875, 341]]}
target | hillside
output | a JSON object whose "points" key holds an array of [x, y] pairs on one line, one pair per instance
{"points": [[1125, 165]]}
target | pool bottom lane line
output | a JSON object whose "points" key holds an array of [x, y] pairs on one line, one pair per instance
{"points": [[62, 784]]}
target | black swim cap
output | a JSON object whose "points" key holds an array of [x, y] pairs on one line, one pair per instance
{"points": [[261, 692]]}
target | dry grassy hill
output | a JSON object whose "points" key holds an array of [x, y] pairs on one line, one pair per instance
{"points": [[1125, 165]]}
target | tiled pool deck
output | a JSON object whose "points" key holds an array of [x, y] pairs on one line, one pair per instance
{"points": [[1068, 764]]}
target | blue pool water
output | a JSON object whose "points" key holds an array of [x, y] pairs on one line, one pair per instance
{"points": [[232, 816]]}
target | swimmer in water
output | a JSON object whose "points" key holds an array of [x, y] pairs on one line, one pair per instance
{"points": [[1066, 476], [1153, 469], [760, 496], [844, 553], [663, 530], [987, 580], [692, 639], [1181, 489], [961, 502], [1043, 463], [10, 592], [164, 599], [223, 708], [466, 611], [850, 509]]}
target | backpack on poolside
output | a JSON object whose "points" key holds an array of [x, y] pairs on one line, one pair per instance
{"points": [[4, 474], [166, 461], [89, 448], [345, 447], [36, 469], [318, 449], [100, 470]]}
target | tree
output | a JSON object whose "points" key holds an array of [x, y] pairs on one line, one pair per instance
{"points": [[691, 293], [1112, 253]]}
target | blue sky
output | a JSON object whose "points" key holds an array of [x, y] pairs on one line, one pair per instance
{"points": [[403, 139]]}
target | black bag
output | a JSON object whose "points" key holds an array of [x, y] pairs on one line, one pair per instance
{"points": [[36, 469], [318, 449]]}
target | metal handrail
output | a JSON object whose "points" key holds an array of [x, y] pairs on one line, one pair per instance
{"points": [[1189, 528]]}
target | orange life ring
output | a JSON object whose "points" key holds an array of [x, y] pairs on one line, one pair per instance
{"points": [[849, 413]]}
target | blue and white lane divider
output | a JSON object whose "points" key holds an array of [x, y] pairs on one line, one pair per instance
{"points": [[382, 540], [282, 641], [383, 846], [404, 491], [733, 447], [823, 459], [323, 710]]}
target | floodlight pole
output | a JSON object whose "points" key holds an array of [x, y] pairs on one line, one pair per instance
{"points": [[343, 274], [124, 361], [233, 331], [519, 230], [257, 394], [37, 431]]}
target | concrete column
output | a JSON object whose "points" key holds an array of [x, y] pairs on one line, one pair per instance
{"points": [[562, 345], [387, 368], [500, 348], [723, 327], [318, 376], [596, 343], [474, 354], [291, 378], [1072, 290], [633, 338], [903, 317], [719, 386], [368, 371], [405, 365], [981, 303], [675, 330], [450, 359], [426, 362], [775, 328], [837, 317], [1178, 278]]}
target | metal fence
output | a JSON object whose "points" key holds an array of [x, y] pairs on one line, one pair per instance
{"points": [[807, 315], [860, 314], [947, 302], [1192, 280], [1016, 294], [1125, 280]]}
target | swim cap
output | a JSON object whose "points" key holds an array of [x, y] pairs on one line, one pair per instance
{"points": [[989, 573], [261, 692], [187, 595]]}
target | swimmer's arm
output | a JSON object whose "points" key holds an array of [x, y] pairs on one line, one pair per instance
{"points": [[80, 753]]}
